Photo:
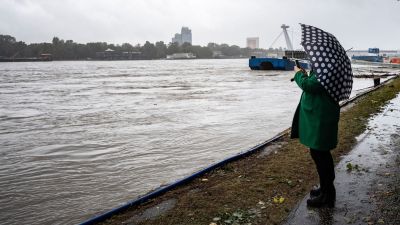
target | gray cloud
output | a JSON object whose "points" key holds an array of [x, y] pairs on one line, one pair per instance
{"points": [[357, 23]]}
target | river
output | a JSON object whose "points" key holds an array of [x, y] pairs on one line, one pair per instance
{"points": [[81, 137]]}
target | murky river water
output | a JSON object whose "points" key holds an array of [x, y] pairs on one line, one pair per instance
{"points": [[79, 138]]}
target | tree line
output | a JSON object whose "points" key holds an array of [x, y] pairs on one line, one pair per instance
{"points": [[70, 50]]}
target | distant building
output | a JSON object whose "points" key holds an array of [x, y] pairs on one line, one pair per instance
{"points": [[253, 42], [184, 37], [177, 38]]}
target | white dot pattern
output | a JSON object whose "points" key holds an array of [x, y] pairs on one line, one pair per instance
{"points": [[329, 61]]}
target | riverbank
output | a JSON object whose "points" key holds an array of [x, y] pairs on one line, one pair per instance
{"points": [[261, 188], [367, 178]]}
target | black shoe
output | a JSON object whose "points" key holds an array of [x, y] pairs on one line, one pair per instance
{"points": [[315, 192], [325, 199]]}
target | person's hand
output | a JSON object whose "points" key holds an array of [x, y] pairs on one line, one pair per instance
{"points": [[297, 69]]}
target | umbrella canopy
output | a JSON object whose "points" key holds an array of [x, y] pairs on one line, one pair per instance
{"points": [[329, 61]]}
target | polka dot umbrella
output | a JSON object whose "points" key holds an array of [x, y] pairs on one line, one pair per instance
{"points": [[329, 61]]}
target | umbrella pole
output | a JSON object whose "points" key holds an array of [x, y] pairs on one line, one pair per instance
{"points": [[298, 66]]}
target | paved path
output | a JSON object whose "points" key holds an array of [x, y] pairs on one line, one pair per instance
{"points": [[371, 162]]}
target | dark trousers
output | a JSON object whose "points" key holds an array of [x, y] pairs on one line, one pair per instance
{"points": [[326, 170]]}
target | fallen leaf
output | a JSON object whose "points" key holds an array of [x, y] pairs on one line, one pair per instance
{"points": [[279, 200]]}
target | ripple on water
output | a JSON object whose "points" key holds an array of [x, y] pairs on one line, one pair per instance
{"points": [[79, 138]]}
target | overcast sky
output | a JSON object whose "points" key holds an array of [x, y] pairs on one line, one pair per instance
{"points": [[356, 23]]}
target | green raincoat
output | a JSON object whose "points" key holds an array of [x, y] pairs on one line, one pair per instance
{"points": [[316, 119]]}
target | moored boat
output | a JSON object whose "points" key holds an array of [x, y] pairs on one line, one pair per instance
{"points": [[373, 56], [395, 60], [181, 56]]}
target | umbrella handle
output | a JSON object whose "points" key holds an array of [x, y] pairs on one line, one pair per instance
{"points": [[297, 63], [298, 66]]}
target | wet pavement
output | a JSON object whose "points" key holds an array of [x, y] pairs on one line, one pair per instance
{"points": [[360, 175]]}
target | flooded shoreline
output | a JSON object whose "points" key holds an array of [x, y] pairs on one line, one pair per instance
{"points": [[246, 190], [79, 138]]}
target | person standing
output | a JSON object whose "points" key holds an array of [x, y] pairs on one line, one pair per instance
{"points": [[315, 123]]}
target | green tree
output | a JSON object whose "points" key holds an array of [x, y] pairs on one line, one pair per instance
{"points": [[161, 50], [58, 48], [186, 47], [70, 50], [213, 46], [7, 45], [149, 51], [173, 48], [201, 52], [233, 50], [94, 47], [126, 47]]}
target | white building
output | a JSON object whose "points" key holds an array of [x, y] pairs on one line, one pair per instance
{"points": [[253, 42], [184, 37]]}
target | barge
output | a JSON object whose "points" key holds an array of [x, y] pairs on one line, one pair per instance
{"points": [[373, 56], [284, 63]]}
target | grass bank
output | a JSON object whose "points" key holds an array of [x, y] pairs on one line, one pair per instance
{"points": [[261, 188]]}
